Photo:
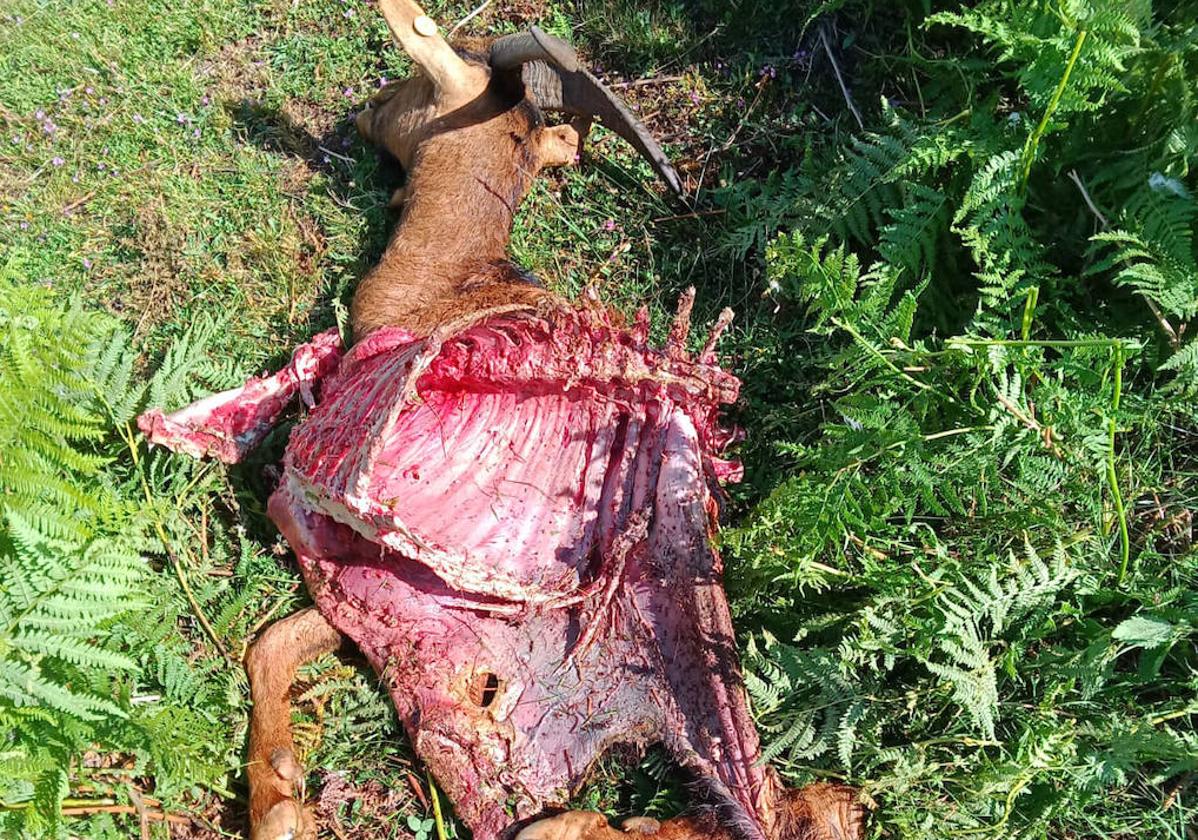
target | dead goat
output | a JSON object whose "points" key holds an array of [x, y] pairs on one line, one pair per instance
{"points": [[505, 500]]}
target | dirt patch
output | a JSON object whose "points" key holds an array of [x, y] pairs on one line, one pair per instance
{"points": [[217, 820], [156, 287], [308, 123], [294, 178], [238, 72], [374, 807], [278, 267], [519, 13]]}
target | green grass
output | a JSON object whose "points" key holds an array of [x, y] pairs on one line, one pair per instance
{"points": [[190, 169]]}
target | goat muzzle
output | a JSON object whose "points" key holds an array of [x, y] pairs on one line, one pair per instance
{"points": [[555, 80]]}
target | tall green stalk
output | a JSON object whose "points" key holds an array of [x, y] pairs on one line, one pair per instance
{"points": [[1033, 142]]}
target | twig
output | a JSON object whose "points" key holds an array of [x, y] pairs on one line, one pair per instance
{"points": [[331, 153], [736, 132], [1112, 473], [719, 211], [196, 610], [652, 80], [823, 35], [127, 434], [1081, 187], [467, 19], [82, 807], [1174, 337], [152, 816], [1026, 419], [143, 816], [79, 201], [1176, 789]]}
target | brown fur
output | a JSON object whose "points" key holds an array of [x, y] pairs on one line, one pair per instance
{"points": [[468, 171], [274, 772]]}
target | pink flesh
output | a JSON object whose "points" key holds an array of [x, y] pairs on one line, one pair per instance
{"points": [[227, 425], [529, 498]]}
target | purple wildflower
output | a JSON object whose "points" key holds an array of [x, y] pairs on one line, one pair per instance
{"points": [[49, 127], [57, 161], [182, 119], [204, 100], [89, 90], [101, 166], [40, 115], [349, 92], [769, 70], [24, 225], [348, 13], [196, 134], [695, 98], [87, 263], [382, 81], [609, 225], [139, 119]]}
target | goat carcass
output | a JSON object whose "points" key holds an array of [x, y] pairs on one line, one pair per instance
{"points": [[506, 500], [511, 518]]}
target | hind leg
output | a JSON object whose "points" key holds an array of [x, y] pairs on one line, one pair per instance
{"points": [[816, 812], [275, 775]]}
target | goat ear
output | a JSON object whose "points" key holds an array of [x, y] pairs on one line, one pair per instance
{"points": [[561, 145]]}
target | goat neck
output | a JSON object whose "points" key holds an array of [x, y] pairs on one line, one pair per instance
{"points": [[448, 254]]}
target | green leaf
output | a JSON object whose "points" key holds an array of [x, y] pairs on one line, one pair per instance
{"points": [[1144, 631]]}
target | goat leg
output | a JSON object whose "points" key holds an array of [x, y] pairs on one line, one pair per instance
{"points": [[274, 771], [817, 812], [227, 425]]}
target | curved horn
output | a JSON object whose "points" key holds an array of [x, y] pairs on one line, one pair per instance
{"points": [[555, 80], [417, 35], [533, 45]]}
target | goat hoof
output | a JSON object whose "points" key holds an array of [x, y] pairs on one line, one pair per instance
{"points": [[572, 825], [284, 762], [640, 825], [277, 811], [287, 820]]}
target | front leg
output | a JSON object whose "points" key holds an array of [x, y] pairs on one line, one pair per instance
{"points": [[274, 772]]}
